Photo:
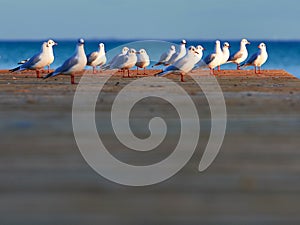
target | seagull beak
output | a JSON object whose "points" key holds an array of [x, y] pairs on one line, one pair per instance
{"points": [[249, 43], [55, 43]]}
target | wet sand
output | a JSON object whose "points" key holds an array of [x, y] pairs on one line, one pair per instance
{"points": [[254, 180]]}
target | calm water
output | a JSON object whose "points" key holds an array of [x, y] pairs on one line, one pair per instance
{"points": [[282, 54]]}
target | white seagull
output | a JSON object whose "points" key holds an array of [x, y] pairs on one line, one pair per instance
{"points": [[44, 58], [112, 62], [185, 64], [226, 54], [178, 55], [258, 59], [214, 59], [143, 60], [241, 55], [166, 56], [72, 65], [97, 58], [125, 62]]}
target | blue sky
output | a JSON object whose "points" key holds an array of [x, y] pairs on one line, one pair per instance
{"points": [[152, 19]]}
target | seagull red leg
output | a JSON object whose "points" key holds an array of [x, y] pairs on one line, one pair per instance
{"points": [[181, 77], [72, 79], [37, 74]]}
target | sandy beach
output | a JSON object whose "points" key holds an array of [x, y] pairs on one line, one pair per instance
{"points": [[254, 180]]}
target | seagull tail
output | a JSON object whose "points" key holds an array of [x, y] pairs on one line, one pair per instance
{"points": [[48, 75], [23, 61], [105, 67], [244, 65], [157, 64], [15, 69], [162, 73]]}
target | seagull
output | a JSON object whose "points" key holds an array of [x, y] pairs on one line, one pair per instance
{"points": [[166, 56], [44, 58], [258, 59], [143, 60], [185, 64], [125, 62], [97, 58], [214, 59], [111, 63], [226, 54], [178, 55], [72, 65], [241, 55]]}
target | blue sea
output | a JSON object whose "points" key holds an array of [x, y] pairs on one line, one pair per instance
{"points": [[282, 54]]}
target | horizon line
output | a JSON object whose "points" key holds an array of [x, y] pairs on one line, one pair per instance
{"points": [[147, 39]]}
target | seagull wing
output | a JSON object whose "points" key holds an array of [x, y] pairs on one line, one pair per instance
{"points": [[67, 66], [92, 57], [168, 70], [235, 56], [251, 60], [32, 61], [208, 59]]}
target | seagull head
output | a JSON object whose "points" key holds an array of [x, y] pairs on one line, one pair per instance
{"points": [[193, 50], [125, 50], [200, 48], [80, 41], [51, 43], [101, 48], [142, 51], [183, 42], [262, 46], [172, 48], [226, 45], [245, 42]]}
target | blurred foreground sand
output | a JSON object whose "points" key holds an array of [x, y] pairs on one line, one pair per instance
{"points": [[254, 180]]}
